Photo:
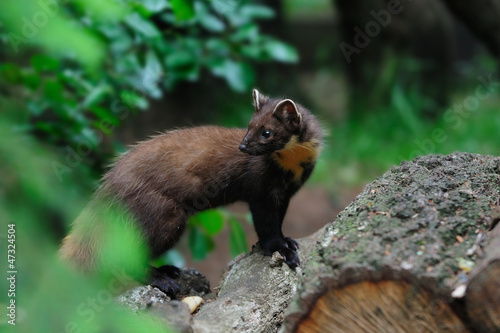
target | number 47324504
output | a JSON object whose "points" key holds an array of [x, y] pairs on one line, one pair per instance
{"points": [[11, 247]]}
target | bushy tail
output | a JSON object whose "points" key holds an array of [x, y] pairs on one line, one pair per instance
{"points": [[82, 246], [78, 253], [105, 234]]}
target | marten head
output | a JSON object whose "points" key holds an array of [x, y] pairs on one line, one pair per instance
{"points": [[273, 124]]}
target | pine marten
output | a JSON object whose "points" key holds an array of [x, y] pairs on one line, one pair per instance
{"points": [[168, 178]]}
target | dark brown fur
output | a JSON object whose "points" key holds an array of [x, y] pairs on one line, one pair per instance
{"points": [[166, 179]]}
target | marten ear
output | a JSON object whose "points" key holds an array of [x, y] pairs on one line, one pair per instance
{"points": [[287, 110], [259, 100]]}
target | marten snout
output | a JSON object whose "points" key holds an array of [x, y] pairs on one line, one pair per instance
{"points": [[249, 145], [243, 147], [246, 145]]}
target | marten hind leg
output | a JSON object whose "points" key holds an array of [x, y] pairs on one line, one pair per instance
{"points": [[163, 235]]}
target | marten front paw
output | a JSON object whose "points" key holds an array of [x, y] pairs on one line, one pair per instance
{"points": [[292, 243], [287, 247], [164, 277]]}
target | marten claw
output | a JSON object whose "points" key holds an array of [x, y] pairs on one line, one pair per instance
{"points": [[163, 278], [291, 258], [287, 247], [292, 243], [167, 285]]}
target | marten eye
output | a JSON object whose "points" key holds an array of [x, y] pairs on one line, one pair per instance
{"points": [[266, 134]]}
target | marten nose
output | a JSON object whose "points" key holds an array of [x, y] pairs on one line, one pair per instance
{"points": [[243, 147]]}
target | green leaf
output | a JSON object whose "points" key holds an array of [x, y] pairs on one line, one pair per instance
{"points": [[142, 26], [156, 6], [199, 243], [211, 220], [53, 91], [256, 12], [405, 110], [32, 80], [179, 59], [90, 136], [103, 10], [225, 7], [183, 9], [239, 75], [46, 127], [74, 79], [172, 257], [281, 51], [105, 114], [96, 95], [255, 52], [37, 107], [133, 100], [117, 35], [212, 23], [41, 63], [247, 32], [151, 75], [128, 63], [181, 65], [217, 46], [237, 238], [11, 72], [64, 38]]}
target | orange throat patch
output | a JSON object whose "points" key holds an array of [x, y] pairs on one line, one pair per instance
{"points": [[295, 154]]}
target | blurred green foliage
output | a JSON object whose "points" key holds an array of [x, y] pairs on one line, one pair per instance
{"points": [[74, 71], [82, 67], [71, 72], [47, 295], [205, 225], [371, 140]]}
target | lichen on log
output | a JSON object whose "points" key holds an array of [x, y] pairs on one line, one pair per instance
{"points": [[252, 298]]}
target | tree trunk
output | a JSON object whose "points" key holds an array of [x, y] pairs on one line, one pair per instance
{"points": [[417, 251], [481, 17]]}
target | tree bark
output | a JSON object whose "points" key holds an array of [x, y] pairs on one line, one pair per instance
{"points": [[253, 296]]}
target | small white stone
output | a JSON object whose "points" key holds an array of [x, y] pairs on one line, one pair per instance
{"points": [[193, 302], [459, 291], [406, 265]]}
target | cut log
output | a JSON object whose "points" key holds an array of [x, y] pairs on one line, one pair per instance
{"points": [[381, 301], [399, 257]]}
